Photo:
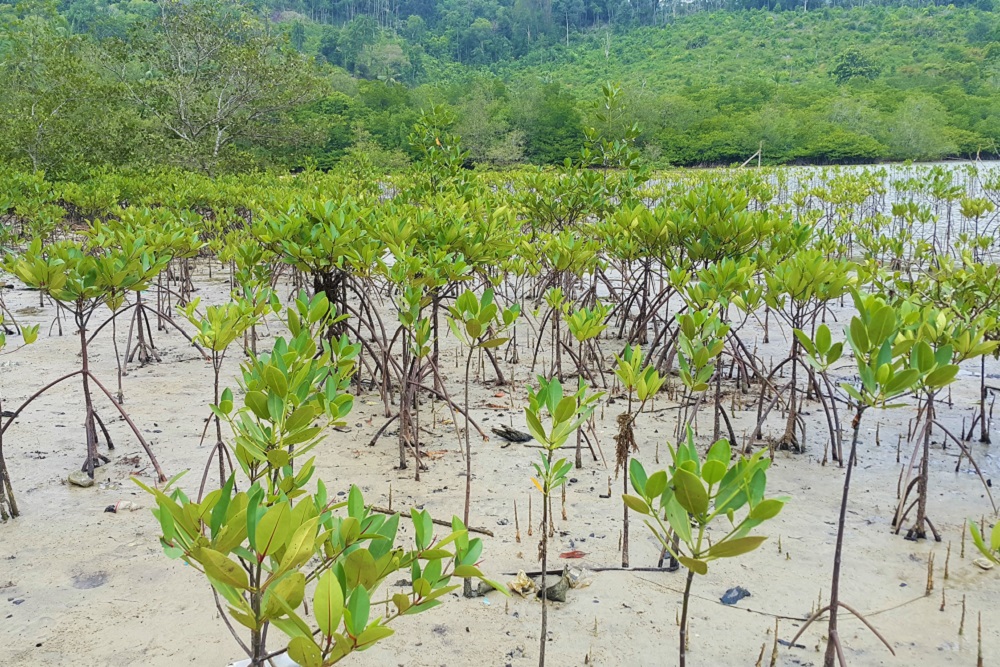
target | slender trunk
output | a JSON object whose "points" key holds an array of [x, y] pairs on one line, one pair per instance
{"points": [[625, 521], [789, 437], [435, 324], [89, 426], [467, 586], [8, 506], [217, 367], [256, 636], [918, 524], [556, 340], [984, 431], [141, 340], [717, 425], [404, 411], [832, 632], [415, 402], [625, 491], [579, 436], [118, 356], [545, 565], [682, 655]]}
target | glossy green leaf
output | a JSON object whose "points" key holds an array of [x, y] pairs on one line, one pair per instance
{"points": [[328, 603]]}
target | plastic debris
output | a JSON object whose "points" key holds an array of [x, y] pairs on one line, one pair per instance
{"points": [[122, 506], [734, 595], [522, 584]]}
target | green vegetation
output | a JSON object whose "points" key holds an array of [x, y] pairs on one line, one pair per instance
{"points": [[384, 218], [669, 267], [232, 86]]}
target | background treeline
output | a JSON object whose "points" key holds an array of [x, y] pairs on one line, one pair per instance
{"points": [[226, 86]]}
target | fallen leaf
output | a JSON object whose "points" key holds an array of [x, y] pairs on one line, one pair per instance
{"points": [[576, 553]]}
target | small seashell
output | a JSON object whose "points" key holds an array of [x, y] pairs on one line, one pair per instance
{"points": [[984, 563]]}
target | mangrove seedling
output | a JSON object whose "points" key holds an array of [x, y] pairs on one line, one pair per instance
{"points": [[479, 324], [642, 380], [217, 328], [565, 414], [883, 376], [81, 281], [685, 500]]}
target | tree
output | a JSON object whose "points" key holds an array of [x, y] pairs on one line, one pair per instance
{"points": [[852, 64], [57, 112], [485, 128], [916, 130], [552, 125], [212, 74], [297, 36]]}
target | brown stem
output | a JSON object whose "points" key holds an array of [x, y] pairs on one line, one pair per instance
{"points": [[467, 586], [8, 505], [135, 429], [545, 564], [684, 619], [832, 634]]}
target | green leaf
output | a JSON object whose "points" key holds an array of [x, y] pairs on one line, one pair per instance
{"points": [[534, 425], [882, 324], [221, 507], [373, 634], [636, 504], [922, 357], [328, 603], [304, 652], [565, 409], [804, 341], [278, 458], [358, 609], [359, 569], [276, 381], [720, 451], [300, 546], [291, 589], [300, 418], [713, 472], [656, 484], [942, 376], [767, 509], [859, 336], [257, 402], [698, 566], [823, 339], [402, 602], [226, 404], [735, 547], [900, 382], [220, 568], [678, 519], [690, 492], [355, 503], [272, 529], [467, 572], [637, 475]]}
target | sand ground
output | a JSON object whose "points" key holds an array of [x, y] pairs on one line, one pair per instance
{"points": [[84, 587]]}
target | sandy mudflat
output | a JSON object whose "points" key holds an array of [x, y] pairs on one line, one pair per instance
{"points": [[84, 587]]}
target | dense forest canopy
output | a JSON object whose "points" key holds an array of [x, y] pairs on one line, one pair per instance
{"points": [[222, 86]]}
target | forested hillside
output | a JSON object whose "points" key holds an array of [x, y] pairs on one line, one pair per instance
{"points": [[221, 86]]}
